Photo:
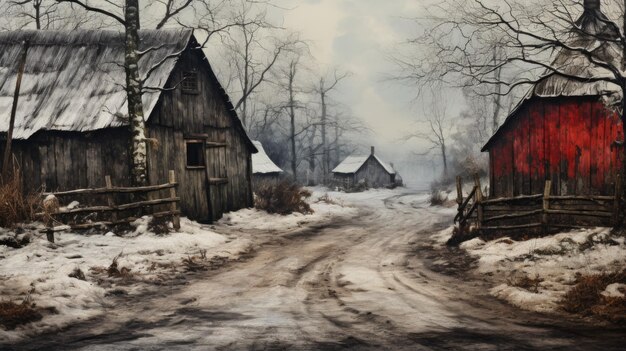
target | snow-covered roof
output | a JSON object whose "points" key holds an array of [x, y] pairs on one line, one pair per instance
{"points": [[353, 163], [74, 80], [261, 163], [592, 24]]}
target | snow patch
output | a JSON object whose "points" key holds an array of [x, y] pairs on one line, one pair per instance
{"points": [[551, 265]]}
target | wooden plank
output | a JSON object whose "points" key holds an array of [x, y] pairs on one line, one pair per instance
{"points": [[112, 190], [515, 215], [513, 199], [173, 209], [510, 227], [582, 213]]}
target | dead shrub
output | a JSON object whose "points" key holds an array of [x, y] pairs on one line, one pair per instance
{"points": [[77, 273], [284, 197], [527, 283], [436, 197], [586, 297], [159, 225], [116, 271], [13, 315], [15, 206], [15, 241]]}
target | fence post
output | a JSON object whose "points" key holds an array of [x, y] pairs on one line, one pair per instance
{"points": [[175, 215], [479, 200], [110, 201], [459, 190], [546, 205], [616, 201]]}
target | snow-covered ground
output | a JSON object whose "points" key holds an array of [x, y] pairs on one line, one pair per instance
{"points": [[535, 274], [39, 272]]}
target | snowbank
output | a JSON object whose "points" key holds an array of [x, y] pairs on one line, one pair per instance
{"points": [[40, 271], [324, 204], [535, 274]]}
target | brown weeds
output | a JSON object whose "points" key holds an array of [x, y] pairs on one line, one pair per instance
{"points": [[283, 198], [13, 315], [586, 297], [15, 206]]}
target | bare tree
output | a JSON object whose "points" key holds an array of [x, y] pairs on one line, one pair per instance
{"points": [[435, 129], [324, 87], [253, 48], [134, 83], [44, 15]]}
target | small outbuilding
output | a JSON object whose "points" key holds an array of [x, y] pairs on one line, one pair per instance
{"points": [[369, 170], [71, 130], [263, 168]]}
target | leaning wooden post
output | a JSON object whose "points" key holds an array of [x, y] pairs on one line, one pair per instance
{"points": [[173, 207], [459, 190], [617, 200], [110, 200], [479, 200], [546, 205]]}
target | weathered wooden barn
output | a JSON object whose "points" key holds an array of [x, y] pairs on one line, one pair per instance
{"points": [[70, 130], [556, 162], [562, 130], [263, 168], [370, 170]]}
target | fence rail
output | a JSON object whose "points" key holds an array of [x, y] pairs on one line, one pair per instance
{"points": [[142, 199], [541, 211]]}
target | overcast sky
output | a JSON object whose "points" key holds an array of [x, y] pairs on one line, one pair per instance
{"points": [[359, 36]]}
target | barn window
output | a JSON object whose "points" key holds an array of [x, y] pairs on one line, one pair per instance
{"points": [[195, 153], [190, 82]]}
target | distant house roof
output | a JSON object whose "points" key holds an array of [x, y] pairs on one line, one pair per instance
{"points": [[352, 164], [74, 80], [261, 163], [592, 24]]}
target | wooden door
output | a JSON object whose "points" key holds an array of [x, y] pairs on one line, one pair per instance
{"points": [[217, 178]]}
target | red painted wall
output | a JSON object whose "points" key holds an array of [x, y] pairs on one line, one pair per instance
{"points": [[570, 140]]}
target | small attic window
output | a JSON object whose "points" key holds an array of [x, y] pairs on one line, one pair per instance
{"points": [[195, 153], [190, 82]]}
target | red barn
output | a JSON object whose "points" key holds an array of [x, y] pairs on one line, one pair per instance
{"points": [[562, 130]]}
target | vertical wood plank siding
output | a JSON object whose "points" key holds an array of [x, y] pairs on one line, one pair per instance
{"points": [[71, 160], [179, 115], [570, 140]]}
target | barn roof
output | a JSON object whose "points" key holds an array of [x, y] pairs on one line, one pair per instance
{"points": [[261, 163], [74, 80], [352, 164], [591, 25]]}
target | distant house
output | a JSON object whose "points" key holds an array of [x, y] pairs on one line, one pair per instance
{"points": [[70, 129], [561, 130], [263, 168], [370, 170]]}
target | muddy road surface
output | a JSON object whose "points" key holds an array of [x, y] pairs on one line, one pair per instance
{"points": [[365, 282]]}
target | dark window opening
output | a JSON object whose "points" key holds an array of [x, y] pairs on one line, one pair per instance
{"points": [[195, 154], [190, 82]]}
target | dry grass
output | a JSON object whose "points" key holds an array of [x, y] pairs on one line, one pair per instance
{"points": [[527, 283], [283, 198], [437, 198], [15, 206], [13, 315], [586, 297]]}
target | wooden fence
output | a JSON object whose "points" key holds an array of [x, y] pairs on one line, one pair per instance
{"points": [[533, 214], [111, 205]]}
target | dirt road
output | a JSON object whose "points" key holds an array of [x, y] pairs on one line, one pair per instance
{"points": [[364, 282]]}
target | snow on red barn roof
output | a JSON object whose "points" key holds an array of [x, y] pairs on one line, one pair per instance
{"points": [[590, 28]]}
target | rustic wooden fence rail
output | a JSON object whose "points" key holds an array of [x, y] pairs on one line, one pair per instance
{"points": [[149, 200], [539, 212]]}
